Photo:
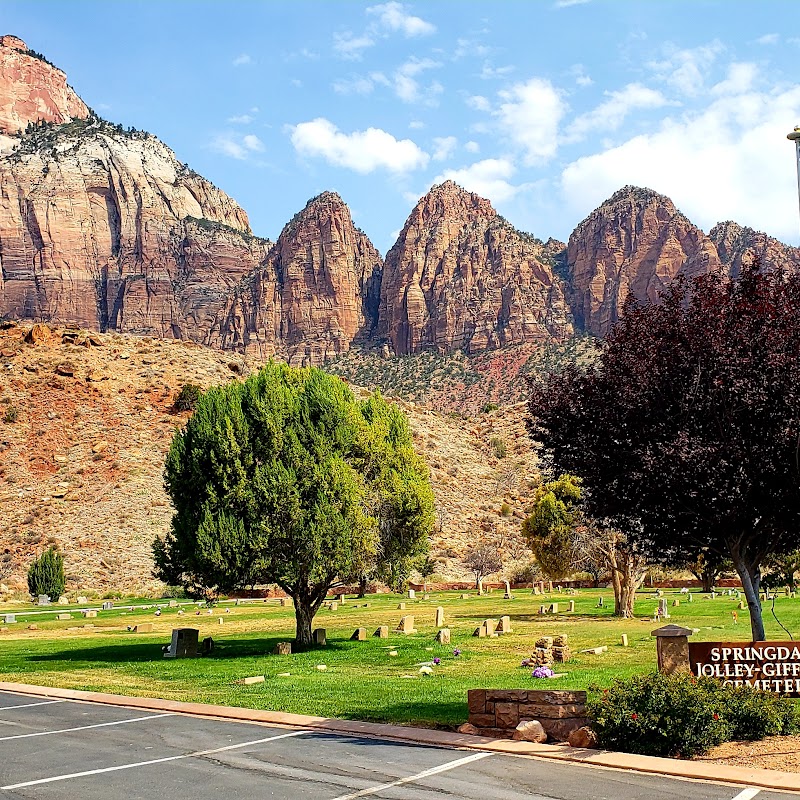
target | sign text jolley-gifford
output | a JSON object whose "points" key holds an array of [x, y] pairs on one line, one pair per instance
{"points": [[771, 666]]}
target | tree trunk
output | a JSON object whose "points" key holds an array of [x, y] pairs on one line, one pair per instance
{"points": [[362, 586], [304, 615], [751, 584], [707, 579]]}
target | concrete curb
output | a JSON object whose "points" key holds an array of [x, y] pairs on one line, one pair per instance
{"points": [[696, 770]]}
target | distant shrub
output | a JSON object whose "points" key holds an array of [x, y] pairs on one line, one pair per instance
{"points": [[187, 397], [46, 575], [498, 447], [11, 414], [505, 510], [680, 715], [489, 407]]}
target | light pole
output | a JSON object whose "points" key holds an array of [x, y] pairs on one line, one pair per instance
{"points": [[795, 137]]}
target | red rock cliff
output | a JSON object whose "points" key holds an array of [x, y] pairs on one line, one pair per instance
{"points": [[315, 293], [738, 245], [109, 230], [636, 242], [461, 277], [31, 89]]}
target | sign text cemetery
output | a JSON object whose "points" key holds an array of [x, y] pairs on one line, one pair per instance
{"points": [[771, 666]]}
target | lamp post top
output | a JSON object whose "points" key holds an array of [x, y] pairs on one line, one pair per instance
{"points": [[795, 134]]}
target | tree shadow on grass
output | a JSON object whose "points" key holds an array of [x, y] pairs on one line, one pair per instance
{"points": [[140, 652]]}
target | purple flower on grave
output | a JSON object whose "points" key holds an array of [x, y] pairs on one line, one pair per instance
{"points": [[437, 660], [456, 652], [543, 672]]}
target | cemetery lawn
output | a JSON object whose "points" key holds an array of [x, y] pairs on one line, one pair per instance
{"points": [[361, 680]]}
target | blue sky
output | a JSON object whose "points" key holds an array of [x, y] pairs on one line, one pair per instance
{"points": [[544, 107]]}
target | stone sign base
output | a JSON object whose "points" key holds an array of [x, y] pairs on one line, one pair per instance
{"points": [[497, 712]]}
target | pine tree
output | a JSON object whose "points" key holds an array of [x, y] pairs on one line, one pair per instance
{"points": [[46, 575]]}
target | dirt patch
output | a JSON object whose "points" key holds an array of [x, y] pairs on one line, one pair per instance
{"points": [[775, 752]]}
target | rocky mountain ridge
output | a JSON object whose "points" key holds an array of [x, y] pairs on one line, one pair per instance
{"points": [[107, 229]]}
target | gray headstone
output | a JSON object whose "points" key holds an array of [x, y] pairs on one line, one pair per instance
{"points": [[43, 600]]}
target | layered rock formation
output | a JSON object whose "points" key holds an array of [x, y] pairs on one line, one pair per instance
{"points": [[33, 90], [109, 230], [461, 277], [636, 242], [739, 246], [316, 291]]}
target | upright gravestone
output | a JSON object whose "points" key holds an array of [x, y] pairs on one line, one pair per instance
{"points": [[443, 636], [571, 605], [382, 632], [10, 619], [689, 597], [504, 626], [480, 587], [359, 635], [43, 600], [508, 595], [439, 617], [184, 643], [108, 605], [406, 624], [319, 637], [412, 595], [63, 600], [662, 608]]}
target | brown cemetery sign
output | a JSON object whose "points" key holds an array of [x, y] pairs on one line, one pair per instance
{"points": [[771, 666]]}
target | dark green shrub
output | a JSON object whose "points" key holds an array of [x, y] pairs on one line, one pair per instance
{"points": [[659, 715], [46, 575], [11, 414], [498, 447], [680, 715], [489, 407], [187, 397]]}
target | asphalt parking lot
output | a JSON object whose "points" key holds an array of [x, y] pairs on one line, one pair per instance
{"points": [[54, 749]]}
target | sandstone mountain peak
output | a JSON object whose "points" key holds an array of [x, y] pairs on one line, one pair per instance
{"points": [[636, 242], [738, 245], [316, 291], [461, 277], [32, 90]]}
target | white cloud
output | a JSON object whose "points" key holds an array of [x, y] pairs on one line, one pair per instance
{"points": [[568, 3], [242, 59], [361, 151], [472, 147], [768, 38], [359, 84], [488, 178], [469, 47], [530, 114], [488, 71], [416, 124], [253, 143], [349, 46], [394, 17], [728, 161], [611, 113], [241, 119], [443, 147], [687, 70], [479, 103], [740, 79], [406, 83], [578, 72]]}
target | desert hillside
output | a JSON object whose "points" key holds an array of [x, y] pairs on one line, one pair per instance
{"points": [[86, 420]]}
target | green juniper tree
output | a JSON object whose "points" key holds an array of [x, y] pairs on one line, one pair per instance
{"points": [[46, 575], [287, 478]]}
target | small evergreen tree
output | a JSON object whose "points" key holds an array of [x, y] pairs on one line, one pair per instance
{"points": [[46, 575]]}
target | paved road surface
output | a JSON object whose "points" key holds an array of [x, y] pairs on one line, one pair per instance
{"points": [[64, 749]]}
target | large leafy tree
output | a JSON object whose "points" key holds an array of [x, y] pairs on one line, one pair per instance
{"points": [[287, 478], [686, 429], [564, 540]]}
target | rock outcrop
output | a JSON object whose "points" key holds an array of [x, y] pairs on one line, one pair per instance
{"points": [[315, 293], [461, 277], [107, 229], [738, 246], [636, 242], [32, 89]]}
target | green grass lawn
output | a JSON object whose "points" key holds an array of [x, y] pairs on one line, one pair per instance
{"points": [[362, 681]]}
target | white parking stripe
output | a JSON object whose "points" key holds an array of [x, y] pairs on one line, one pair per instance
{"points": [[747, 794], [31, 705], [83, 727], [411, 778], [196, 754]]}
